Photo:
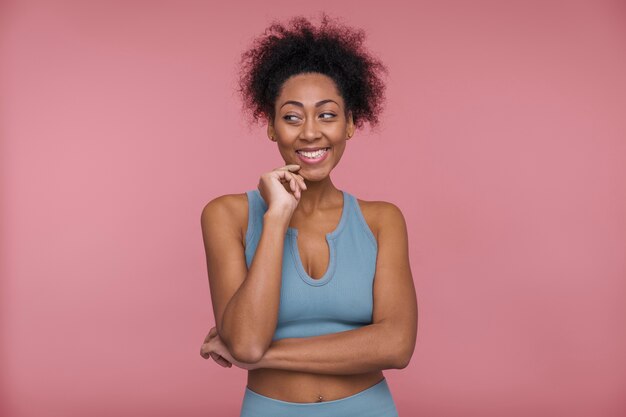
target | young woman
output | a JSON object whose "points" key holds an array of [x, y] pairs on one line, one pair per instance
{"points": [[311, 287]]}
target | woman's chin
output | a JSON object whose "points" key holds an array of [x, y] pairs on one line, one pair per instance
{"points": [[316, 179], [312, 174]]}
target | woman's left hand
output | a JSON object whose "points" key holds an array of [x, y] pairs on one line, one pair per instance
{"points": [[214, 347]]}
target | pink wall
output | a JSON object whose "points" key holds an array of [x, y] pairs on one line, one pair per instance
{"points": [[504, 143]]}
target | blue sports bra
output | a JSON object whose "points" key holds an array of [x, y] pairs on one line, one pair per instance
{"points": [[342, 299]]}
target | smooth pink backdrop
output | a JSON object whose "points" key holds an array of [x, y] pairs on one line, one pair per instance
{"points": [[503, 142]]}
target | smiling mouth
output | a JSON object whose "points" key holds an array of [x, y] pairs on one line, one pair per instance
{"points": [[313, 154], [314, 157]]}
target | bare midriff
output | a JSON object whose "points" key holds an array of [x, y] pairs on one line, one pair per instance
{"points": [[303, 387]]}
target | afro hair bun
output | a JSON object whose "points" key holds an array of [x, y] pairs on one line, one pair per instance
{"points": [[333, 49]]}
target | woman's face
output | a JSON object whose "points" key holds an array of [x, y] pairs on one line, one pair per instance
{"points": [[310, 113]]}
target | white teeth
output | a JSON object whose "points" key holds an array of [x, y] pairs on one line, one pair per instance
{"points": [[313, 155]]}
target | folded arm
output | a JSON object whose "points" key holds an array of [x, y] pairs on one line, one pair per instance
{"points": [[366, 349]]}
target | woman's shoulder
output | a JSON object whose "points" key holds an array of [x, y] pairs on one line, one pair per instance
{"points": [[227, 202], [378, 214], [229, 208]]}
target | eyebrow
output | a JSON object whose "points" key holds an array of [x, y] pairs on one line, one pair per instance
{"points": [[319, 103]]}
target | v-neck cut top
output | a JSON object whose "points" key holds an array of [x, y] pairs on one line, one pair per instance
{"points": [[292, 242], [342, 298]]}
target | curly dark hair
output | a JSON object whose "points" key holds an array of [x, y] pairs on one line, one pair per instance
{"points": [[333, 49]]}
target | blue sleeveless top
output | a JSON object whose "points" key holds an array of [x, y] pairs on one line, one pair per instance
{"points": [[342, 299]]}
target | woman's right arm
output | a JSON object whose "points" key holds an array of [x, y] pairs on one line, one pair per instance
{"points": [[245, 302]]}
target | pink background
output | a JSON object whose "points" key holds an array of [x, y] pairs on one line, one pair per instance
{"points": [[503, 142]]}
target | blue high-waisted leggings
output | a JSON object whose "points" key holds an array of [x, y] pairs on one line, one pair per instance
{"points": [[375, 401]]}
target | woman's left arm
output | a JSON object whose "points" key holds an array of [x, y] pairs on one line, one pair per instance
{"points": [[386, 343]]}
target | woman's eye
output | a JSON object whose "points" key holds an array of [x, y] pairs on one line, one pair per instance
{"points": [[288, 117]]}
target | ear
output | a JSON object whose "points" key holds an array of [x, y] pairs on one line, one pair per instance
{"points": [[350, 126], [271, 133]]}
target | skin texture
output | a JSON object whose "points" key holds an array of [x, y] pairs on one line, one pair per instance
{"points": [[245, 302]]}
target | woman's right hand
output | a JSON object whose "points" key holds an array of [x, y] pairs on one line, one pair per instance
{"points": [[281, 188]]}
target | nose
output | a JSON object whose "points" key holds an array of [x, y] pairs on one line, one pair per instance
{"points": [[310, 129]]}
